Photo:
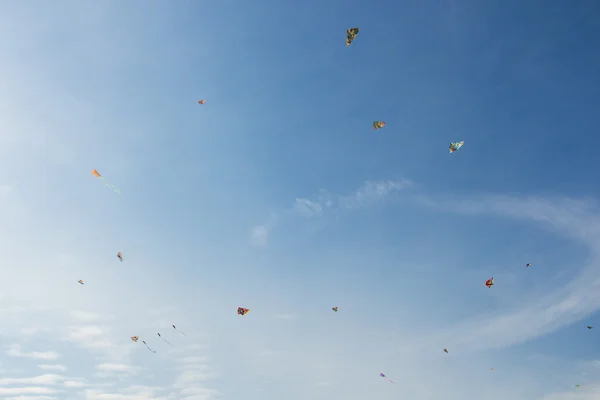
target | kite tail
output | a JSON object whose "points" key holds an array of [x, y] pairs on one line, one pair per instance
{"points": [[166, 341], [113, 187], [180, 332], [148, 347]]}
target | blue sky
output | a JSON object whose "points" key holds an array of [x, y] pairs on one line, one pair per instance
{"points": [[276, 195]]}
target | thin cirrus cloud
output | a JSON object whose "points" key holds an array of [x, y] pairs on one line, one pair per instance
{"points": [[576, 219], [371, 193], [15, 351]]}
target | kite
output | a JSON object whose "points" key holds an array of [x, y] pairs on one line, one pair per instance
{"points": [[527, 265], [378, 125], [489, 283], [590, 327], [148, 347], [81, 282], [120, 256], [135, 338], [386, 378], [243, 311], [577, 386], [491, 369], [351, 35], [164, 339], [335, 309], [177, 331], [445, 350], [455, 146], [108, 185], [201, 101]]}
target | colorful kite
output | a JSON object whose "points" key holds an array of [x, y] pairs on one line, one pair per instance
{"points": [[177, 330], [243, 311], [148, 347], [455, 146], [335, 309], [135, 338], [386, 378], [164, 339], [108, 185], [351, 35], [120, 256], [378, 125], [201, 101], [81, 282], [445, 350], [489, 283]]}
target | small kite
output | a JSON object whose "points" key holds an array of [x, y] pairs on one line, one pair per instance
{"points": [[491, 369], [351, 35], [489, 283], [148, 347], [135, 338], [378, 125], [334, 309], [527, 265], [177, 330], [590, 327], [577, 386], [163, 339], [120, 256], [445, 350], [201, 101], [81, 282], [455, 146], [386, 378], [243, 311], [108, 185]]}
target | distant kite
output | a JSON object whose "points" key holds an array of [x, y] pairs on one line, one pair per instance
{"points": [[148, 347], [386, 378], [243, 311], [81, 282], [351, 35], [590, 327], [164, 339], [177, 330], [135, 338], [120, 256], [335, 309], [455, 146], [108, 185], [378, 125], [445, 350], [201, 101], [527, 265], [489, 283]]}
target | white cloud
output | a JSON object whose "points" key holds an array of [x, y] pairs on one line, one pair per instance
{"points": [[15, 351], [52, 367], [115, 367], [47, 379], [27, 390]]}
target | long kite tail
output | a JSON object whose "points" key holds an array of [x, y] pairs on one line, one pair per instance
{"points": [[148, 347], [180, 332], [163, 339], [113, 187], [389, 380]]}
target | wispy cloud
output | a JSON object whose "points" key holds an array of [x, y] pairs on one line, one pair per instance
{"points": [[52, 367], [15, 351], [579, 220], [371, 193]]}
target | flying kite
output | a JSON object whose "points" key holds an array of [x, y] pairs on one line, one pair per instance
{"points": [[455, 146], [81, 282], [445, 350], [135, 338], [201, 101], [491, 369], [120, 256], [378, 125], [148, 347], [527, 265], [590, 327], [335, 309], [108, 185], [489, 283], [177, 330], [386, 378], [351, 35], [243, 311], [163, 339]]}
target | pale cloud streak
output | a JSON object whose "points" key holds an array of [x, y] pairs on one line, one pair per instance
{"points": [[579, 220], [15, 351], [371, 193], [52, 367]]}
